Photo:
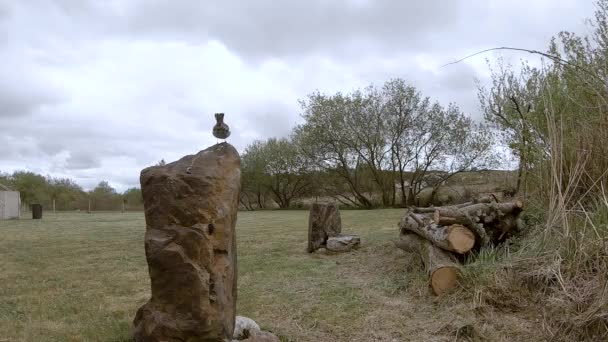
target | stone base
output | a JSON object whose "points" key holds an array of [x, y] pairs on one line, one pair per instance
{"points": [[343, 243], [247, 330]]}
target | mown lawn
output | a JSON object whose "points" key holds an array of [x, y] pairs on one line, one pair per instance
{"points": [[81, 277]]}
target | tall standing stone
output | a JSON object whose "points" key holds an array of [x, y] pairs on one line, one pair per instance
{"points": [[191, 208], [323, 222]]}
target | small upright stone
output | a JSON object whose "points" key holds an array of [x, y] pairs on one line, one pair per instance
{"points": [[324, 222], [191, 209]]}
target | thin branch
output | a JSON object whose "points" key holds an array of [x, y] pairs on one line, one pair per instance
{"points": [[535, 52]]}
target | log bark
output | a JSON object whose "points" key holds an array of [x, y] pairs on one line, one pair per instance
{"points": [[492, 209], [484, 199], [440, 265], [445, 221], [490, 222], [456, 238]]}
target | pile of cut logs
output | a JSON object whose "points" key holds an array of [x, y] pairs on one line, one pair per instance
{"points": [[444, 236]]}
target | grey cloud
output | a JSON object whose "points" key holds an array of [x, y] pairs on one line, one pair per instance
{"points": [[457, 84], [346, 29], [257, 29], [271, 119], [114, 86], [22, 92], [457, 77], [267, 28], [81, 160], [17, 102]]}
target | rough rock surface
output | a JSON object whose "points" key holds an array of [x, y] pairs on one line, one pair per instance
{"points": [[191, 208], [261, 336], [343, 243], [324, 222], [242, 326]]}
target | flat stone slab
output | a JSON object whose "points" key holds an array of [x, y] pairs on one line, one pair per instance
{"points": [[343, 243], [247, 330]]}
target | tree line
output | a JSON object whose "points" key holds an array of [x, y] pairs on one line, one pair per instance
{"points": [[373, 147], [65, 194]]}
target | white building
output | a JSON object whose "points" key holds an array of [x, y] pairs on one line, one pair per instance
{"points": [[10, 203]]}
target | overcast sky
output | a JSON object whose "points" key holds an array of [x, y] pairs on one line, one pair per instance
{"points": [[98, 90]]}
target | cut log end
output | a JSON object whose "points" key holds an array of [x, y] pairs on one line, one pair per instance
{"points": [[460, 238], [444, 279]]}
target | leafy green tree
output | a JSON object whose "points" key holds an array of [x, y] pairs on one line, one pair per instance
{"points": [[567, 98], [104, 189], [33, 187], [274, 167], [254, 180], [286, 169], [510, 105], [5, 180], [325, 139], [133, 198], [67, 194], [388, 135], [104, 197]]}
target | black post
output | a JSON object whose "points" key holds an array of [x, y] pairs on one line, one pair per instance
{"points": [[37, 211]]}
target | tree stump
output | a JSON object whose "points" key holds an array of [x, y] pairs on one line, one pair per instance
{"points": [[191, 209], [323, 222]]}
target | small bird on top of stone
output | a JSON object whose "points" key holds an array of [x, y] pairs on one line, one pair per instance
{"points": [[220, 130]]}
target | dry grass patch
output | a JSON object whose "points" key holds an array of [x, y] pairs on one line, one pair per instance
{"points": [[79, 277]]}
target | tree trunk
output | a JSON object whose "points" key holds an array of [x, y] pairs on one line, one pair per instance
{"points": [[440, 265], [365, 203], [403, 195], [519, 175], [385, 196], [401, 181], [433, 197], [261, 204], [393, 189], [455, 238], [410, 196]]}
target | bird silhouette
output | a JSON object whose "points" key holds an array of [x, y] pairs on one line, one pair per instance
{"points": [[220, 130]]}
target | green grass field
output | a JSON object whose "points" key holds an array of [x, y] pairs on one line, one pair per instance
{"points": [[80, 277]]}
